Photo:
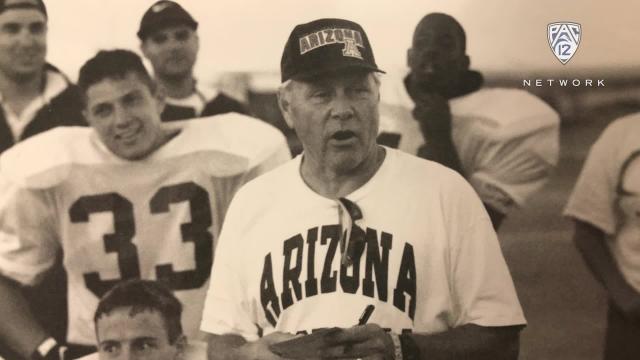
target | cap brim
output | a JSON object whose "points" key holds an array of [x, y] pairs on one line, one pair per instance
{"points": [[316, 73]]}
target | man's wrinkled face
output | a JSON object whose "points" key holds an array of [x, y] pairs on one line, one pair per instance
{"points": [[23, 41], [172, 51], [437, 56], [336, 118], [125, 113], [124, 335]]}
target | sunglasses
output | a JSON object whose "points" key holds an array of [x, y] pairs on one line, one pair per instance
{"points": [[352, 239]]}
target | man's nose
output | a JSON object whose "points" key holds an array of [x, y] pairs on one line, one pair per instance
{"points": [[342, 106], [122, 116]]}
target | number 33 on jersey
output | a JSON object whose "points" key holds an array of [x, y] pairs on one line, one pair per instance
{"points": [[156, 218]]}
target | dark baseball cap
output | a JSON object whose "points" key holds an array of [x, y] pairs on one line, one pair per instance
{"points": [[323, 46], [162, 14], [23, 4]]}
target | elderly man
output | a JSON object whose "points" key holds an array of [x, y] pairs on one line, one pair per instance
{"points": [[504, 141], [169, 40], [350, 223], [128, 198]]}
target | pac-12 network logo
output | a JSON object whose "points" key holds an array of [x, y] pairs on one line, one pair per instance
{"points": [[564, 39]]}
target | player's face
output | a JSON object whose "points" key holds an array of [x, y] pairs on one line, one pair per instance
{"points": [[336, 118], [437, 58], [23, 42], [172, 51], [123, 334], [126, 115]]}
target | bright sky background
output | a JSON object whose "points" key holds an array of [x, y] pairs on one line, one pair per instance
{"points": [[248, 35]]}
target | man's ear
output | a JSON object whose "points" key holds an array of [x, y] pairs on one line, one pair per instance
{"points": [[466, 62], [285, 106], [159, 94], [410, 58], [143, 48]]}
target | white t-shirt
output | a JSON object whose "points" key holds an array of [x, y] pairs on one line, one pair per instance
{"points": [[507, 139], [432, 260], [607, 193], [157, 218]]}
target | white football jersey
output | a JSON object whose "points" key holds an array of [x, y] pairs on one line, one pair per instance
{"points": [[157, 218], [432, 260], [507, 139], [607, 193]]}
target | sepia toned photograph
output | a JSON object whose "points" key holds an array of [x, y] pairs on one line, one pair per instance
{"points": [[336, 179]]}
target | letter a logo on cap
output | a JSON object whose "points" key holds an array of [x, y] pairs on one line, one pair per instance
{"points": [[351, 49]]}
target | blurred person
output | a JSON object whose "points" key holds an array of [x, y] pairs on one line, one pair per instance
{"points": [[129, 197], [503, 141], [34, 97], [140, 319], [605, 208], [169, 40], [350, 223]]}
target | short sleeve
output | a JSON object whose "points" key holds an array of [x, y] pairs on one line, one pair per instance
{"points": [[28, 242], [226, 309], [592, 198], [483, 289]]}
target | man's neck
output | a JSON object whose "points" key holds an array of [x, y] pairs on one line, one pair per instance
{"points": [[177, 88], [334, 184], [17, 89]]}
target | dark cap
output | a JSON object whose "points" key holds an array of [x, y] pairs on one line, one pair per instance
{"points": [[23, 4], [326, 45], [162, 14]]}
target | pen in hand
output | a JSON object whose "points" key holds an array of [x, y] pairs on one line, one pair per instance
{"points": [[366, 314]]}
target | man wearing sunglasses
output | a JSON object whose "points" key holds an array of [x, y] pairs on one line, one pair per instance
{"points": [[350, 223]]}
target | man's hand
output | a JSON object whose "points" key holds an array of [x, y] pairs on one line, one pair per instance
{"points": [[433, 113], [363, 341], [259, 349]]}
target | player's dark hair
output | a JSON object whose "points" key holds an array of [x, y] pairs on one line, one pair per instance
{"points": [[112, 64], [144, 295], [445, 18]]}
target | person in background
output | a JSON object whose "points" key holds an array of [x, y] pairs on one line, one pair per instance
{"points": [[169, 40], [605, 209], [505, 142], [34, 97]]}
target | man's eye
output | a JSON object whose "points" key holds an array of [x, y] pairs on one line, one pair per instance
{"points": [[11, 28], [109, 348], [102, 110], [132, 99], [37, 28], [159, 38], [183, 35]]}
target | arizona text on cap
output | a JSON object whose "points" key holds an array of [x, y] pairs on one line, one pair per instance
{"points": [[162, 14], [23, 4], [326, 45]]}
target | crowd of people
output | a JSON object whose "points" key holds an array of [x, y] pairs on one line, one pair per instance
{"points": [[147, 216]]}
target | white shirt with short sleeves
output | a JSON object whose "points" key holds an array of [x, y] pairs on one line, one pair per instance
{"points": [[507, 139], [156, 218], [432, 260], [607, 193]]}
